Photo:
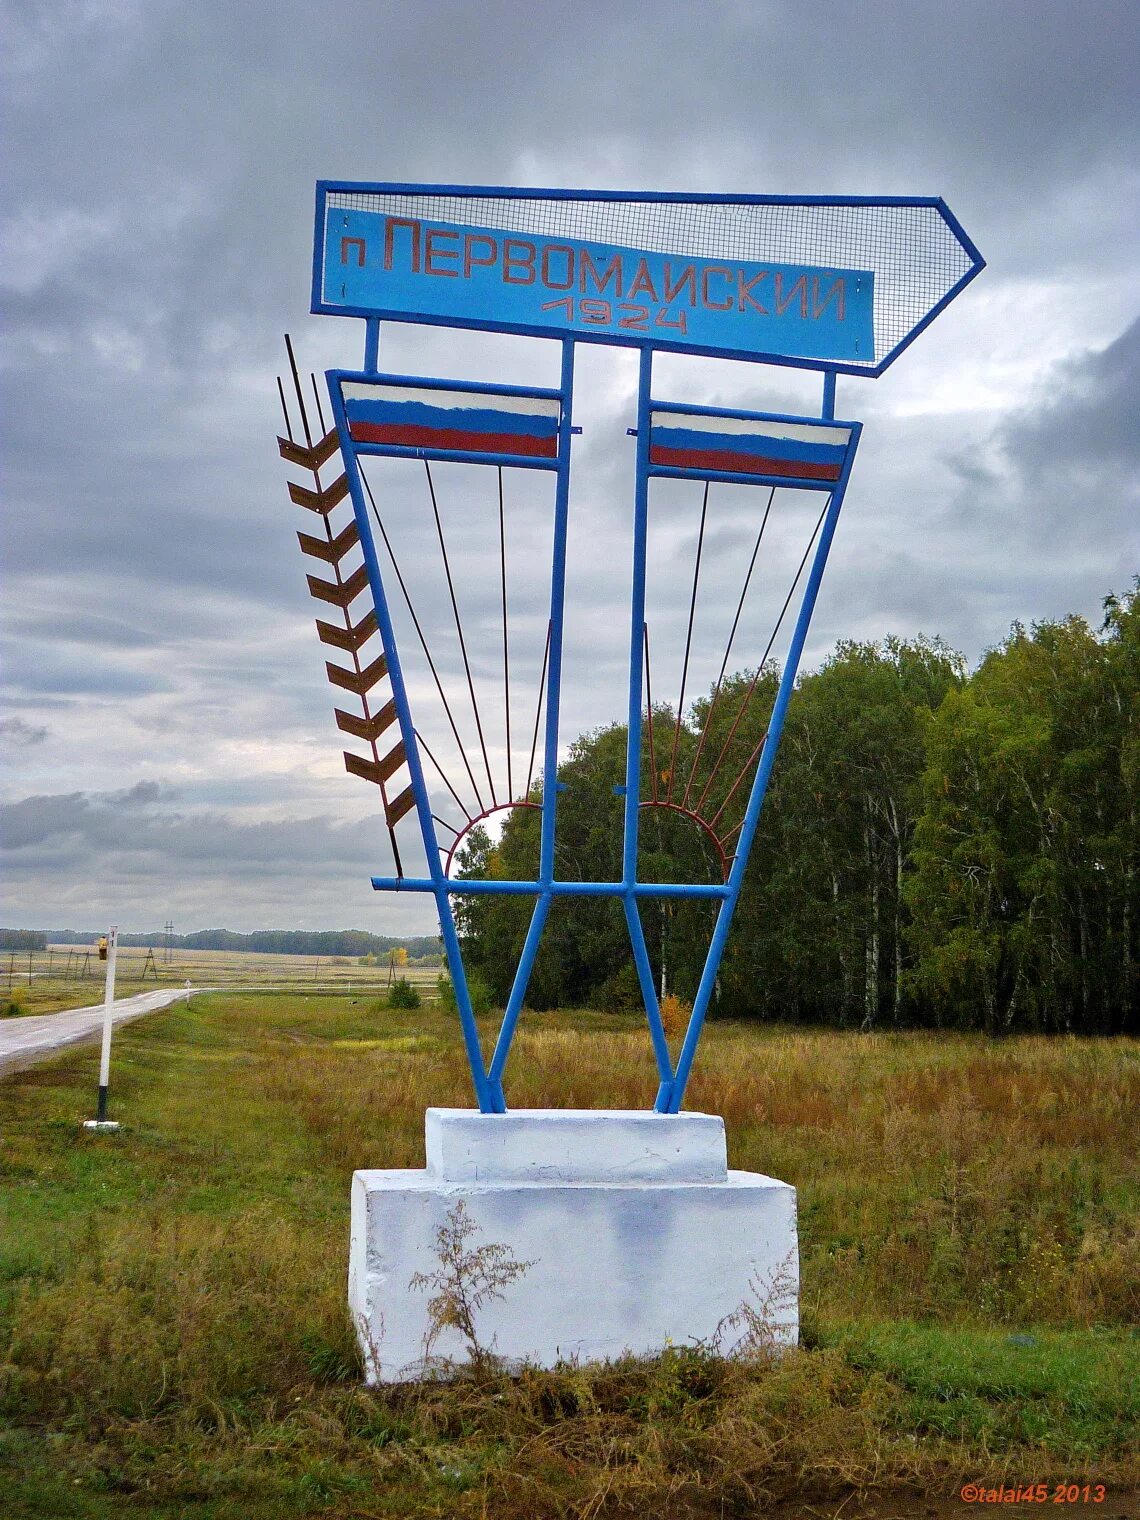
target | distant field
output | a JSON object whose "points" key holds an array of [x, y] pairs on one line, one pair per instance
{"points": [[71, 976], [173, 1334]]}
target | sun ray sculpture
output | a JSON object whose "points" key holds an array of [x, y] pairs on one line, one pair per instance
{"points": [[459, 728]]}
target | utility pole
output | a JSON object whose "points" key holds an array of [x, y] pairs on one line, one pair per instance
{"points": [[100, 1121]]}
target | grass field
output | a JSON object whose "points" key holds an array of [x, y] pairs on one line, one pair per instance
{"points": [[173, 1337], [72, 976]]}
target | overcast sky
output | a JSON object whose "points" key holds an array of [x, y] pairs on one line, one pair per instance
{"points": [[168, 743]]}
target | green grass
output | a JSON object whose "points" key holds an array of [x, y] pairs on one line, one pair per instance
{"points": [[1076, 1390], [173, 1335]]}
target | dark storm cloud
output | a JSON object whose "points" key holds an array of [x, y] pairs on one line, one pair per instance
{"points": [[1089, 425], [157, 243]]}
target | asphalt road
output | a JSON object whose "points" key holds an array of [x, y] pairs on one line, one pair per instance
{"points": [[23, 1041]]}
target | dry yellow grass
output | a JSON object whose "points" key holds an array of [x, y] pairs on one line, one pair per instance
{"points": [[173, 1339]]}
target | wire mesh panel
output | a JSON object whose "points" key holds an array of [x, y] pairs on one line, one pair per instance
{"points": [[818, 281]]}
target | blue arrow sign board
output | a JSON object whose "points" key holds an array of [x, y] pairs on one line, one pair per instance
{"points": [[410, 267], [840, 283]]}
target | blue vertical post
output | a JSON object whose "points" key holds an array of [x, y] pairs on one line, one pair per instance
{"points": [[633, 726], [412, 754], [371, 344], [637, 624], [557, 619], [671, 1103], [550, 747], [827, 411]]}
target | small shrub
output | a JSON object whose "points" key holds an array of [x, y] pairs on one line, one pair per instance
{"points": [[468, 1277], [403, 994], [11, 1005], [675, 1014]]}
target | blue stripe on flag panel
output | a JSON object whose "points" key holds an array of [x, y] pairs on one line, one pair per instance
{"points": [[762, 445], [802, 451]]}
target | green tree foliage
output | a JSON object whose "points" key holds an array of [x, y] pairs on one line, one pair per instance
{"points": [[22, 939], [1024, 890], [934, 849], [820, 932], [402, 994]]}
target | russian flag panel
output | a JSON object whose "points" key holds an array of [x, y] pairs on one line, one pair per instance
{"points": [[466, 422], [802, 453]]}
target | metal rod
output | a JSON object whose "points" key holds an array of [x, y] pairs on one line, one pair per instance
{"points": [[648, 991], [481, 888], [108, 1020], [462, 456], [320, 408], [727, 651], [459, 631], [688, 644], [423, 641], [557, 615], [371, 344], [515, 1000], [763, 661], [550, 758], [538, 711], [649, 715], [506, 658], [675, 1097], [423, 743], [285, 410], [828, 410], [637, 623], [744, 769], [300, 393]]}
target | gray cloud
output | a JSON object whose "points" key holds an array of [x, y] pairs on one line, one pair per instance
{"points": [[160, 170], [1088, 425], [16, 732], [124, 844]]}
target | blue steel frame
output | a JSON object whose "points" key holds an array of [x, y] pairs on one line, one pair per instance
{"points": [[672, 1080], [633, 339]]}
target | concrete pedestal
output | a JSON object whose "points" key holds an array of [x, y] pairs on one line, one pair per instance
{"points": [[637, 1232]]}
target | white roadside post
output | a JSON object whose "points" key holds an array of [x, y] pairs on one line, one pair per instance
{"points": [[100, 1120]]}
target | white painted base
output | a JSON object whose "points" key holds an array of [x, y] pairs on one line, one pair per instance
{"points": [[637, 1232], [101, 1124]]}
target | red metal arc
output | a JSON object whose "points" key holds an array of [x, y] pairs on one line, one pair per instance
{"points": [[702, 823], [502, 807]]}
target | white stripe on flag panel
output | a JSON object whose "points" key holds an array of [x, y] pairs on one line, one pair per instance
{"points": [[535, 406]]}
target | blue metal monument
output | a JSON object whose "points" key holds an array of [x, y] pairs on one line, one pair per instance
{"points": [[838, 285]]}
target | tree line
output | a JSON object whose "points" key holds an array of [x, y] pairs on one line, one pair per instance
{"points": [[22, 939], [938, 847], [340, 942]]}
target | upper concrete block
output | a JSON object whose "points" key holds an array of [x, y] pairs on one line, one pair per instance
{"points": [[568, 1146]]}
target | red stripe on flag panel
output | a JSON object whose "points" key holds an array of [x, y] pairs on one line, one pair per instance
{"points": [[408, 436], [730, 463]]}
